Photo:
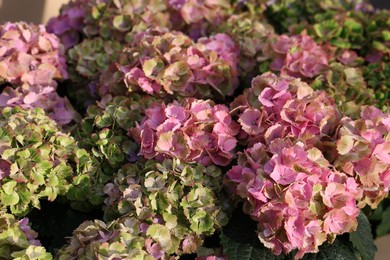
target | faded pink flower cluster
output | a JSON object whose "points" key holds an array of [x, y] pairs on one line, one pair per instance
{"points": [[29, 55], [277, 107], [293, 194], [170, 62], [30, 61], [299, 56], [300, 189], [192, 131], [363, 150]]}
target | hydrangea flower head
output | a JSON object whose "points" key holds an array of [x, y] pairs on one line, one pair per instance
{"points": [[184, 197], [31, 59], [296, 199], [171, 63], [36, 160], [276, 107], [29, 55], [192, 131], [69, 23]]}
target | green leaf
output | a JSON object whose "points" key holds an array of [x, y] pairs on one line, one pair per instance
{"points": [[362, 238], [384, 226], [240, 241]]}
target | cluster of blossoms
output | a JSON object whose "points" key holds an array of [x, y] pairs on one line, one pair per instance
{"points": [[104, 130], [35, 160], [277, 107], [296, 199], [180, 196], [124, 238], [30, 61], [347, 86], [292, 181], [192, 131], [160, 86], [164, 62], [69, 24], [18, 241]]}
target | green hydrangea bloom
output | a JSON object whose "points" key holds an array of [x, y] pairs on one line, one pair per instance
{"points": [[186, 197], [125, 238]]}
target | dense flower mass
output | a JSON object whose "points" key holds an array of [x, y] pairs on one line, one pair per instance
{"points": [[296, 199], [253, 38], [196, 129], [91, 57], [126, 238], [277, 107], [193, 130], [164, 62], [347, 86], [122, 19], [18, 240], [292, 182], [182, 196]]}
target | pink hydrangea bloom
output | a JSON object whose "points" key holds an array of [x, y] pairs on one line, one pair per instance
{"points": [[30, 61], [180, 66], [277, 107], [306, 172], [363, 149], [297, 200], [29, 55], [299, 56], [193, 130]]}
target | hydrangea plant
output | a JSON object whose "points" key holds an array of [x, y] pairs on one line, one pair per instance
{"points": [[30, 55], [177, 157], [122, 19]]}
